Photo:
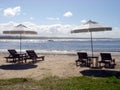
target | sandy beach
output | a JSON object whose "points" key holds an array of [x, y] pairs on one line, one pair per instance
{"points": [[61, 65]]}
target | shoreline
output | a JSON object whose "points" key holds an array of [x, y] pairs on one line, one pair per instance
{"points": [[65, 52]]}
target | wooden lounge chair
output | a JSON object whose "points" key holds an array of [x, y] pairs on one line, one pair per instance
{"points": [[107, 60], [11, 56], [83, 59], [14, 56], [32, 55]]}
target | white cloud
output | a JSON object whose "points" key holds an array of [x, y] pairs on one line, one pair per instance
{"points": [[83, 21], [32, 18], [11, 12], [53, 19], [50, 30], [68, 14]]}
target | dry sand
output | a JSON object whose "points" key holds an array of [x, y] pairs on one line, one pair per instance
{"points": [[61, 65]]}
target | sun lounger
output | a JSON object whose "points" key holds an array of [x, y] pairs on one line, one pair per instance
{"points": [[14, 56], [11, 56], [107, 60], [83, 59], [31, 54]]}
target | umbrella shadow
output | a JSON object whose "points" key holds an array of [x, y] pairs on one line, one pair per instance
{"points": [[18, 66], [100, 73]]}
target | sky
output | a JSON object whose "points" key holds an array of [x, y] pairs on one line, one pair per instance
{"points": [[58, 17]]}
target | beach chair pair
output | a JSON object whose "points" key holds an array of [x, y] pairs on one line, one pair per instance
{"points": [[30, 54], [106, 60]]}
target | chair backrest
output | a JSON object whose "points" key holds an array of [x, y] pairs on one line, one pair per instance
{"points": [[12, 52], [106, 56], [31, 53], [82, 55]]}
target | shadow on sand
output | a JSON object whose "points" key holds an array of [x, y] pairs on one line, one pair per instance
{"points": [[18, 66], [100, 73]]}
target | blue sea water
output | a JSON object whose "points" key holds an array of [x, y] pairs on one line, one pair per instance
{"points": [[62, 44]]}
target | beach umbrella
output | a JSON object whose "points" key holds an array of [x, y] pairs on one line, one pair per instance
{"points": [[19, 29], [91, 26]]}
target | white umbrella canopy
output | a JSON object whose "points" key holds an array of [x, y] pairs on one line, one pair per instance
{"points": [[91, 26], [19, 29]]}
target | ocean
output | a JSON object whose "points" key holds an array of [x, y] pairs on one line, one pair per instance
{"points": [[61, 44]]}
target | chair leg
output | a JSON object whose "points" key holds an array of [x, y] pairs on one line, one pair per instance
{"points": [[34, 60], [113, 61], [43, 58], [76, 63], [6, 59], [14, 60], [88, 63], [99, 64], [25, 60]]}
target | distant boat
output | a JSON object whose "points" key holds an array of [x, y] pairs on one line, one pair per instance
{"points": [[50, 40]]}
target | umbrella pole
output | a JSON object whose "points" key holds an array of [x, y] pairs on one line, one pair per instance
{"points": [[91, 43], [20, 43]]}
